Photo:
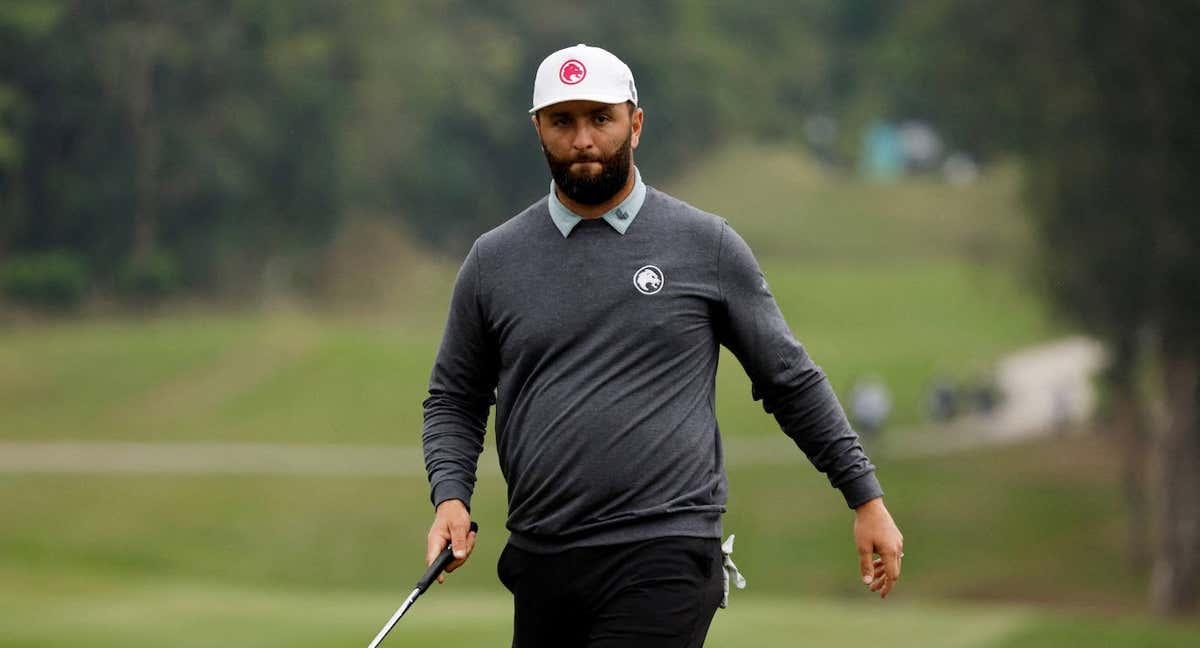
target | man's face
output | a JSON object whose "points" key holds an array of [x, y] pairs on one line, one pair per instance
{"points": [[589, 147]]}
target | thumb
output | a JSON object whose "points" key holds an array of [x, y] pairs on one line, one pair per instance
{"points": [[864, 564]]}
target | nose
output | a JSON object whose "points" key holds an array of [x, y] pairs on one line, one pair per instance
{"points": [[582, 139]]}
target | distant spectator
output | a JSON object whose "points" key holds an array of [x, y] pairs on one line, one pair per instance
{"points": [[882, 159], [943, 400], [984, 395], [870, 405]]}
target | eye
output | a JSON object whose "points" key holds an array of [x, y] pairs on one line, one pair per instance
{"points": [[603, 119]]}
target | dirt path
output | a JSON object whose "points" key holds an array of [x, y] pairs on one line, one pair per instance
{"points": [[1046, 388]]}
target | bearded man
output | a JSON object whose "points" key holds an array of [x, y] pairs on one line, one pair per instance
{"points": [[592, 320]]}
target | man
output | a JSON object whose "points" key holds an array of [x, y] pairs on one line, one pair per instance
{"points": [[592, 321]]}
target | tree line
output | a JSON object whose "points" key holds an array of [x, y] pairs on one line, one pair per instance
{"points": [[160, 145], [1099, 98]]}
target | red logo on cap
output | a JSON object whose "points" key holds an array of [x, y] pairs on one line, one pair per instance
{"points": [[571, 72]]}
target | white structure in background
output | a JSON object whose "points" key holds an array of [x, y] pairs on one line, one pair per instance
{"points": [[1046, 388]]}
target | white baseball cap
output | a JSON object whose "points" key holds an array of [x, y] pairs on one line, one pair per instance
{"points": [[582, 72]]}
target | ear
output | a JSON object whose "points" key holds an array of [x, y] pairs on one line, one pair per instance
{"points": [[636, 124]]}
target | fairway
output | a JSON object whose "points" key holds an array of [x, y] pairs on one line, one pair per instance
{"points": [[187, 614], [294, 376], [989, 526]]}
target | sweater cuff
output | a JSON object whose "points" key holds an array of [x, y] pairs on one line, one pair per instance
{"points": [[861, 490], [449, 490]]}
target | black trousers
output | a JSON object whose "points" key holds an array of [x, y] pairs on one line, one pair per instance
{"points": [[659, 593]]}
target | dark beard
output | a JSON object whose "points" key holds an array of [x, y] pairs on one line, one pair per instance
{"points": [[597, 189]]}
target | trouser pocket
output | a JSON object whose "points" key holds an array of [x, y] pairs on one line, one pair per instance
{"points": [[508, 566]]}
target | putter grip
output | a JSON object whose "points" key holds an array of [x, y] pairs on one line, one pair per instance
{"points": [[439, 563]]}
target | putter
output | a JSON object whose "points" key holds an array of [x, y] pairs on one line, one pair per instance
{"points": [[431, 574]]}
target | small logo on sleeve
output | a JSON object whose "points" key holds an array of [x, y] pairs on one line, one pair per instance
{"points": [[648, 279], [571, 72]]}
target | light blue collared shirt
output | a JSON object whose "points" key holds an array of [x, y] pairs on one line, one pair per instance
{"points": [[620, 217]]}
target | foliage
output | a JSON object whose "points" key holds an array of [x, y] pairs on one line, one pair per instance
{"points": [[1099, 99], [150, 279], [52, 280], [236, 135], [206, 130]]}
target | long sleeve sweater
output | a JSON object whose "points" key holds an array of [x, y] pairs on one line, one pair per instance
{"points": [[599, 351]]}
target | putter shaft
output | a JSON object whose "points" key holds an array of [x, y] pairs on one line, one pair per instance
{"points": [[395, 617], [431, 574]]}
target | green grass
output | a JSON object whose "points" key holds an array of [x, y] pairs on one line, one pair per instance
{"points": [[788, 207], [1031, 523], [299, 377], [183, 615], [1015, 547]]}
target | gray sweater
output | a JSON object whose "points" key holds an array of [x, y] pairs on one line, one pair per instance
{"points": [[603, 375]]}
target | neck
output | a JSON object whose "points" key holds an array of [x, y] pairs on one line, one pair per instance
{"points": [[596, 211]]}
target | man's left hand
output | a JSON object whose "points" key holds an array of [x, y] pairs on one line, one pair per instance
{"points": [[876, 534]]}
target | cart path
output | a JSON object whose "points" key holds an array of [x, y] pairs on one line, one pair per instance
{"points": [[1044, 387], [1048, 389]]}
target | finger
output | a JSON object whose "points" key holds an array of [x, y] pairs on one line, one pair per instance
{"points": [[888, 584], [878, 582], [891, 565], [864, 564]]}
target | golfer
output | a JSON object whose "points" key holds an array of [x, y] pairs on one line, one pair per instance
{"points": [[592, 320]]}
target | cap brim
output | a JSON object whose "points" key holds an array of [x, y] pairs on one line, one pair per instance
{"points": [[608, 99]]}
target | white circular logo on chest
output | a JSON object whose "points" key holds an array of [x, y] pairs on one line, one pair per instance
{"points": [[648, 279]]}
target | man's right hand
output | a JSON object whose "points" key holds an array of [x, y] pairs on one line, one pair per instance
{"points": [[451, 524]]}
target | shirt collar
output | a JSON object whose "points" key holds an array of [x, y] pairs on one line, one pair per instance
{"points": [[620, 217]]}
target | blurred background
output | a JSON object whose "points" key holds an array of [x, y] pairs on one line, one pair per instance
{"points": [[228, 232]]}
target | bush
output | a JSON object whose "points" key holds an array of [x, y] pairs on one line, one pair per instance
{"points": [[149, 280], [56, 280]]}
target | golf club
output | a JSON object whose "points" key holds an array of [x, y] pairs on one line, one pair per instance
{"points": [[431, 575]]}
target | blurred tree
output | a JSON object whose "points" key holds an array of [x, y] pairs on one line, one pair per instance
{"points": [[224, 134], [22, 24], [203, 131], [1100, 99]]}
